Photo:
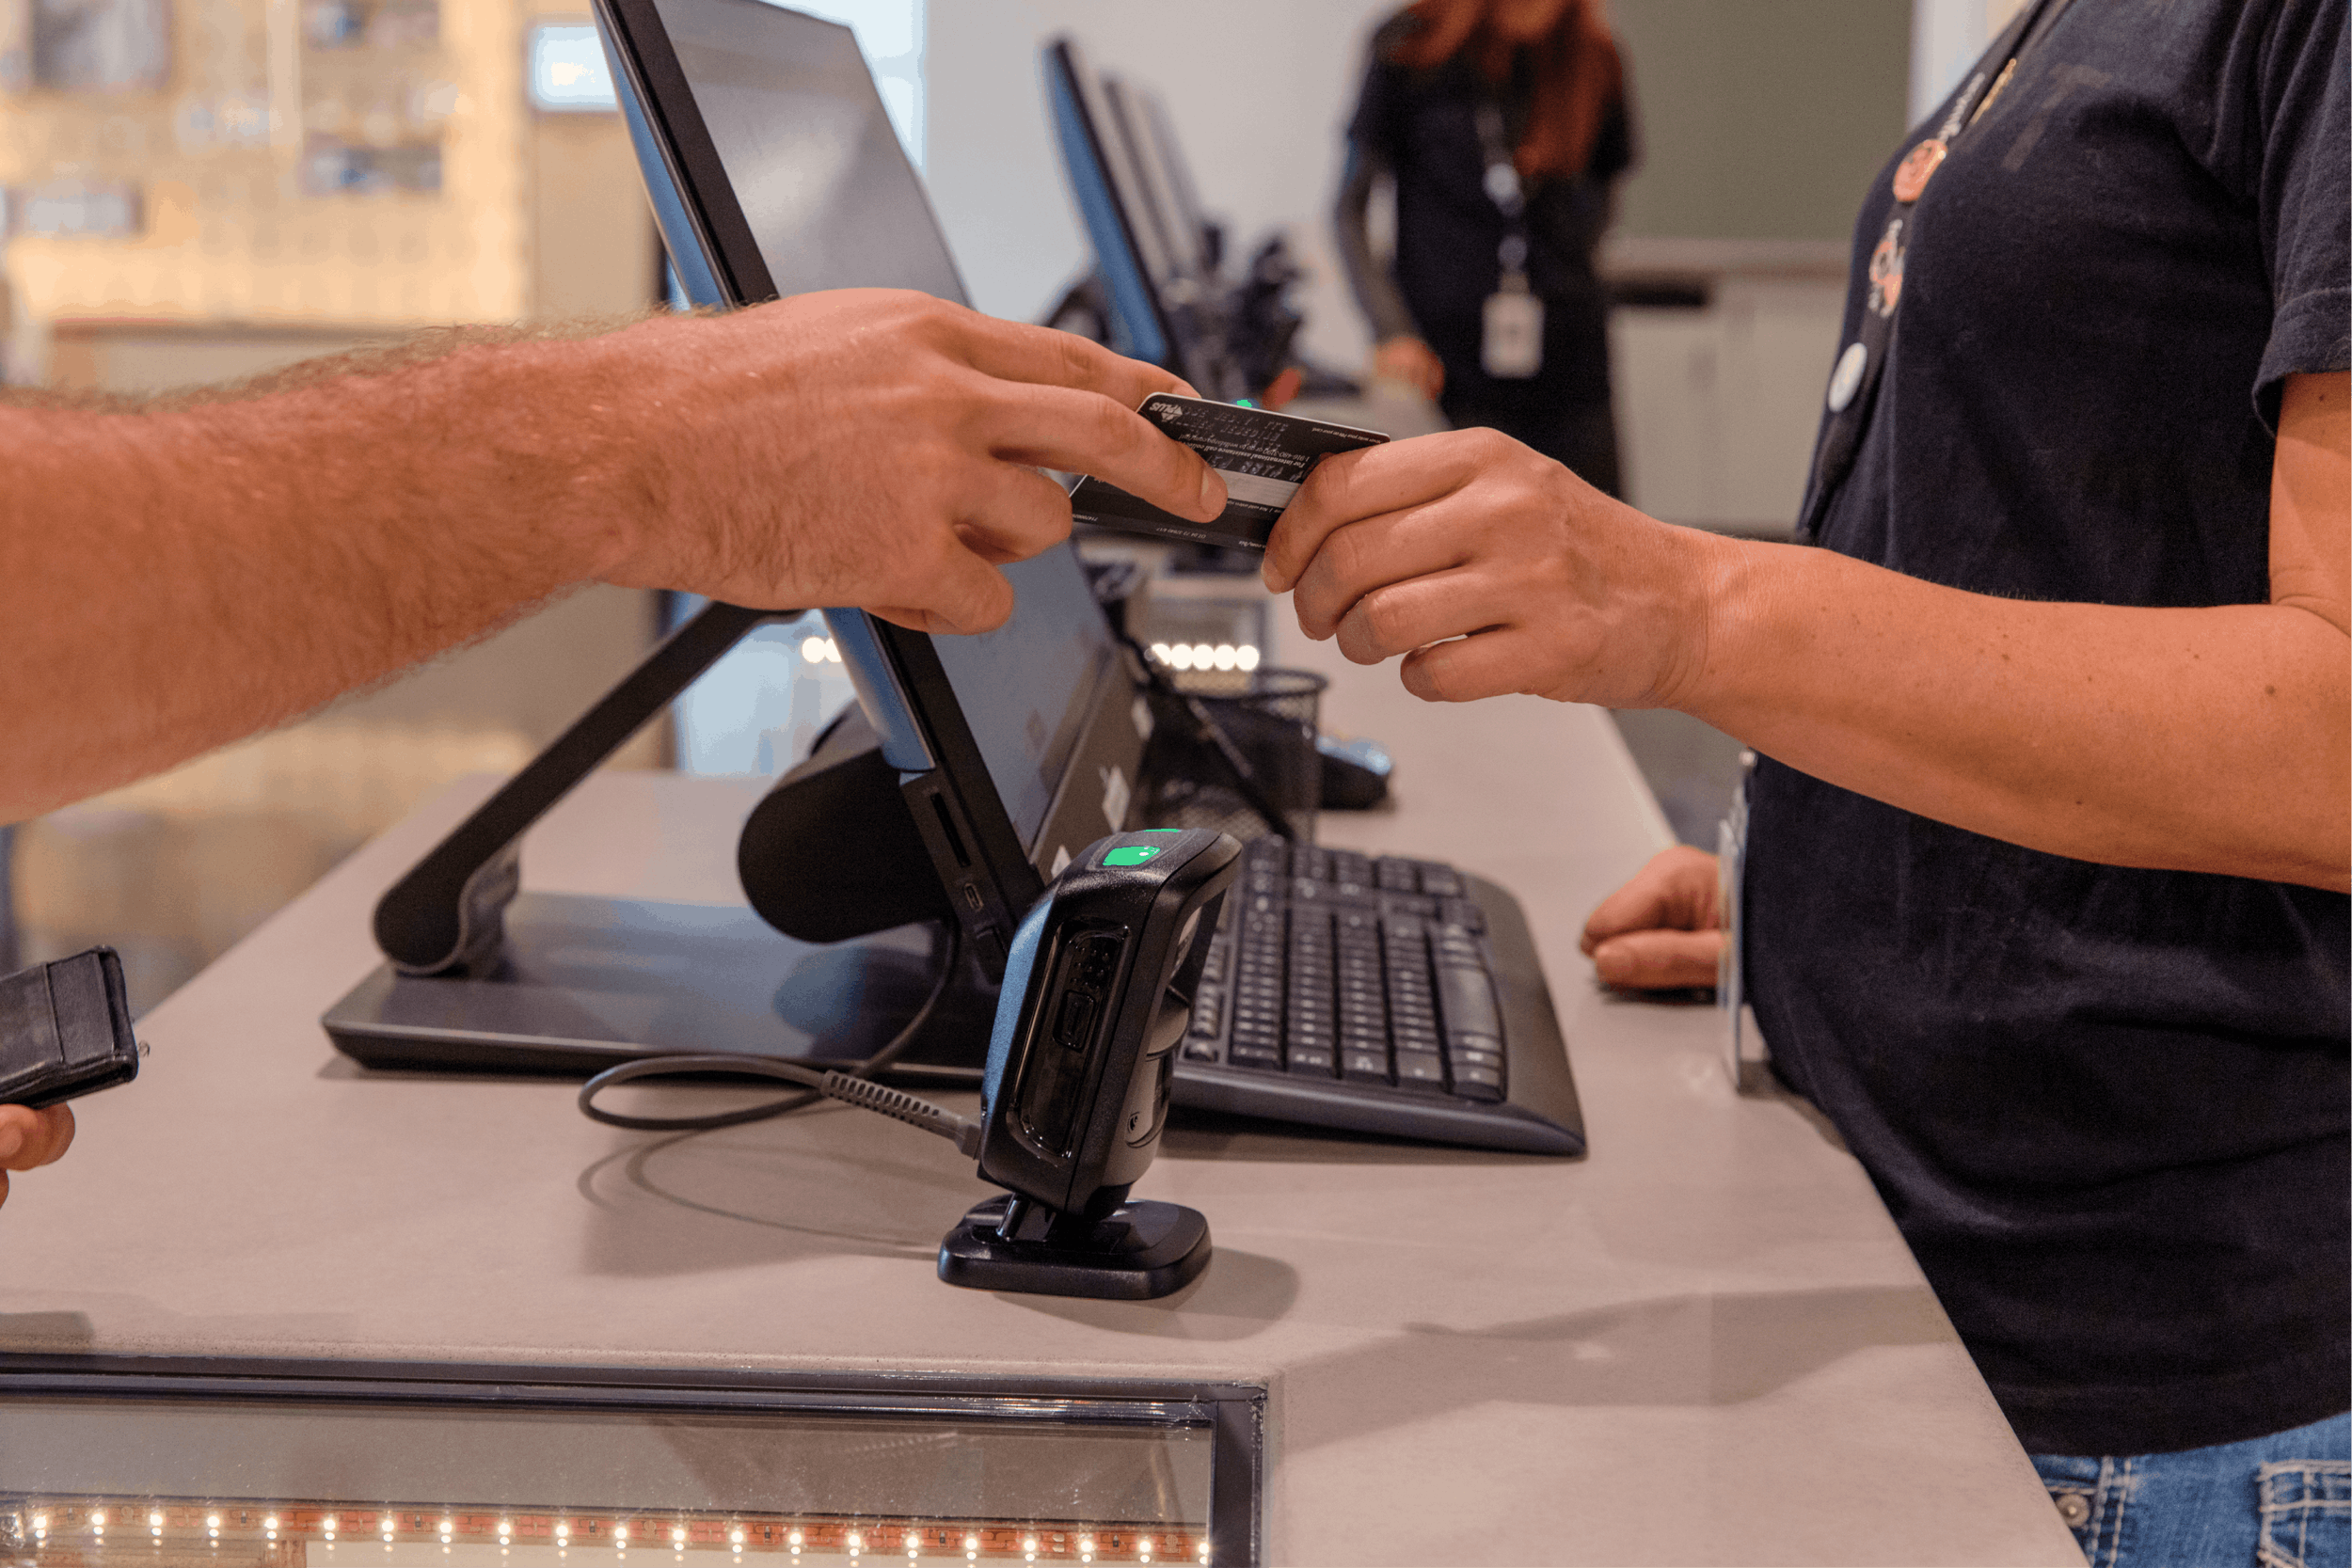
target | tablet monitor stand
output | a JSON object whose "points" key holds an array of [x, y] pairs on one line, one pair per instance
{"points": [[480, 976]]}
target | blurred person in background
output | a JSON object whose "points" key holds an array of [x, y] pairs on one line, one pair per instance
{"points": [[179, 573], [1504, 126]]}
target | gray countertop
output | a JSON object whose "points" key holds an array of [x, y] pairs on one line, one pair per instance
{"points": [[1703, 1343]]}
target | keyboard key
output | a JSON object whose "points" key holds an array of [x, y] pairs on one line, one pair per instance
{"points": [[1462, 913], [1438, 879], [1196, 1049], [1254, 1055], [1478, 1083], [1468, 1000], [1462, 1058], [1313, 1061], [1364, 1066], [1420, 1069], [1396, 876], [1455, 944]]}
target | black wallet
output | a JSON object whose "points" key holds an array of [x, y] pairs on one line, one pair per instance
{"points": [[65, 1030]]}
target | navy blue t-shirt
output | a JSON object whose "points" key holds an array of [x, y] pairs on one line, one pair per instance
{"points": [[2107, 1107]]}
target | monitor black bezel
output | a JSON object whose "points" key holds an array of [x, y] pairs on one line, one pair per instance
{"points": [[650, 66], [990, 875], [642, 43], [991, 860]]}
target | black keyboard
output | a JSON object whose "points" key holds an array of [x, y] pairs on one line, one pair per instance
{"points": [[1390, 995]]}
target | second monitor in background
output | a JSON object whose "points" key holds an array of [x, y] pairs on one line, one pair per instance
{"points": [[1164, 297]]}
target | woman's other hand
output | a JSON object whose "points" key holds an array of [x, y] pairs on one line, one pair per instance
{"points": [[1412, 362], [1663, 930]]}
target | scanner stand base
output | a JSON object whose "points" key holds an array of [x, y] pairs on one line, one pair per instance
{"points": [[1140, 1252]]}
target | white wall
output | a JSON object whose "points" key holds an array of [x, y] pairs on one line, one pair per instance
{"points": [[1717, 408], [1260, 92]]}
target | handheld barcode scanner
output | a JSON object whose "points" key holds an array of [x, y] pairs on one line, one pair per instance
{"points": [[1098, 991]]}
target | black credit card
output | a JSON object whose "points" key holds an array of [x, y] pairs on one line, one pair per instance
{"points": [[1262, 458]]}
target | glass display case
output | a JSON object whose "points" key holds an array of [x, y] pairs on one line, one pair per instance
{"points": [[369, 1466]]}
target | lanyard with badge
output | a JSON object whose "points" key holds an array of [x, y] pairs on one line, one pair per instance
{"points": [[1853, 387], [1512, 347], [1854, 381]]}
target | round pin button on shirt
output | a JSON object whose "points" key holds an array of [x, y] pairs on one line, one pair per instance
{"points": [[1845, 379]]}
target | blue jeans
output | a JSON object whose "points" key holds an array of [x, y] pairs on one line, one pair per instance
{"points": [[2282, 1502]]}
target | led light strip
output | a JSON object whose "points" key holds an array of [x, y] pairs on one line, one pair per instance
{"points": [[77, 1530]]}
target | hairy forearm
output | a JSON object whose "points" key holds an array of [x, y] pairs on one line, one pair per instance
{"points": [[178, 578], [173, 578], [2215, 739]]}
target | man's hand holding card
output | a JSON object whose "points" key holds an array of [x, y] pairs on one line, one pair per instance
{"points": [[1262, 458]]}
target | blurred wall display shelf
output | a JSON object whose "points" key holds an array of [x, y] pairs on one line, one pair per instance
{"points": [[359, 162]]}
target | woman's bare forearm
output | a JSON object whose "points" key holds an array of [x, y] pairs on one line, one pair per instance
{"points": [[2192, 739], [2208, 739]]}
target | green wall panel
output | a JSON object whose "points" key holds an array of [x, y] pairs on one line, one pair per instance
{"points": [[1761, 119]]}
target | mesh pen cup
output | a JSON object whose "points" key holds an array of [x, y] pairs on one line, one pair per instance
{"points": [[1270, 716]]}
